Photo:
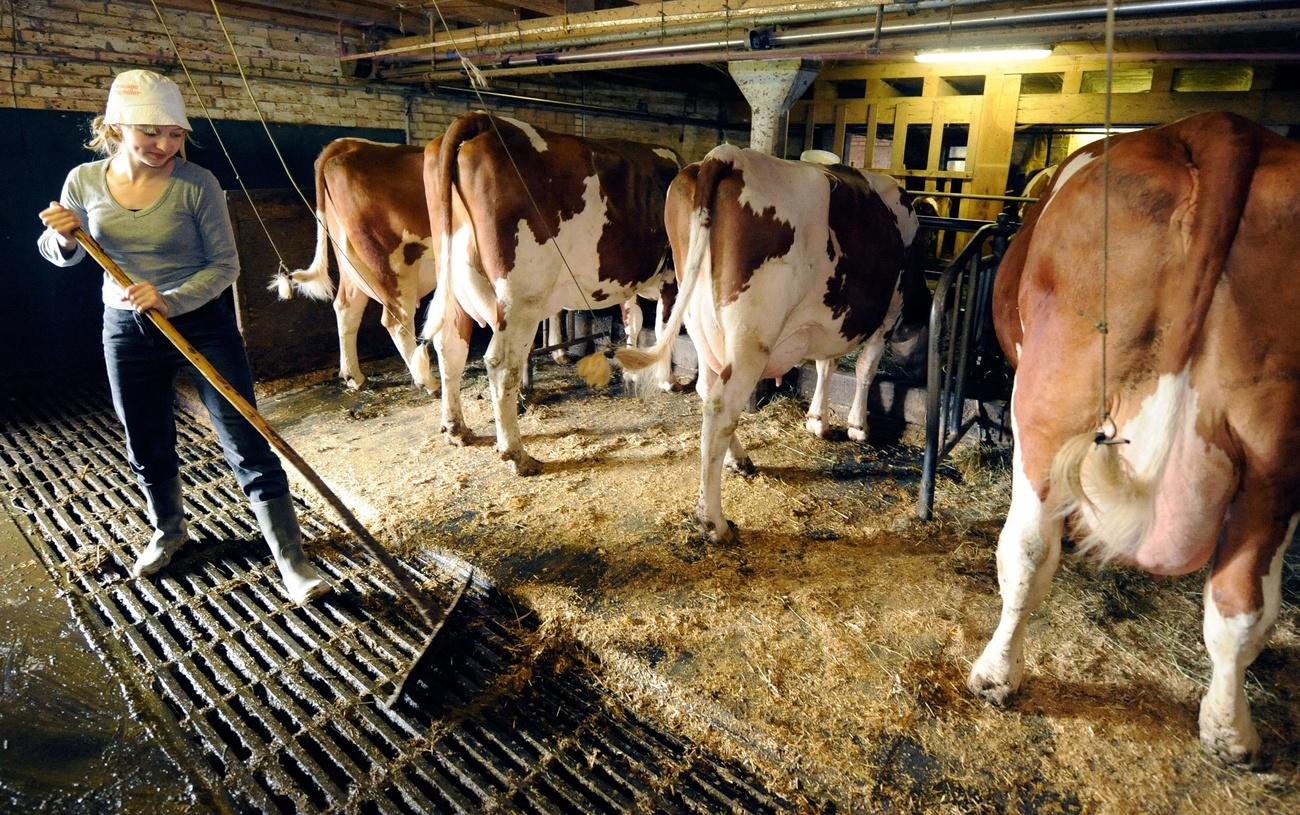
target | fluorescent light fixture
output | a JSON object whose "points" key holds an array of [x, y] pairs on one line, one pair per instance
{"points": [[983, 55]]}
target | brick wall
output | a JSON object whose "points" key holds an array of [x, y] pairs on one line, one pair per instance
{"points": [[66, 52]]}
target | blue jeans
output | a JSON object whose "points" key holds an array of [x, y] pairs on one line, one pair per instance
{"points": [[142, 369]]}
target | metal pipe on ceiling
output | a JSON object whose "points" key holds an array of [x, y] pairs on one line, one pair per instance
{"points": [[787, 43], [857, 51], [989, 20], [479, 42]]}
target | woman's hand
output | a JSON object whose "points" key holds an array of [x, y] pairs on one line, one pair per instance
{"points": [[143, 296], [64, 221]]}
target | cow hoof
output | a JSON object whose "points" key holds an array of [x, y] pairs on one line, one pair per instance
{"points": [[991, 685], [744, 466], [858, 434], [729, 536], [522, 463], [354, 383], [561, 359], [819, 428], [1235, 745], [676, 384], [457, 435]]}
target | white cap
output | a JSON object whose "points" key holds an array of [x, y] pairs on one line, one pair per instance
{"points": [[140, 97], [819, 157]]}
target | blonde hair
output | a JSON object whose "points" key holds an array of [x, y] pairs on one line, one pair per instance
{"points": [[107, 139]]}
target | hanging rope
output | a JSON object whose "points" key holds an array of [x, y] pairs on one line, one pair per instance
{"points": [[476, 77], [256, 108], [1106, 429], [282, 268], [281, 278]]}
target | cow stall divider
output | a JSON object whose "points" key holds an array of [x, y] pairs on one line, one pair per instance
{"points": [[372, 546], [961, 344]]}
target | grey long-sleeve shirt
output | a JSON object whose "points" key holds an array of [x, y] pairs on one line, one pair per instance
{"points": [[182, 243]]}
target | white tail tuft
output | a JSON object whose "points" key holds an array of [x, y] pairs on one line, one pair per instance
{"points": [[1115, 506], [281, 285]]}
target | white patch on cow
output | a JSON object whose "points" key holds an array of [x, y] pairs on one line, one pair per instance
{"points": [[1120, 515], [547, 283], [1233, 642], [1028, 553], [796, 198], [1063, 175], [668, 154], [534, 138], [397, 258], [891, 193]]}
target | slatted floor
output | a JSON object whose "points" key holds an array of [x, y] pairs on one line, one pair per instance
{"points": [[275, 708]]}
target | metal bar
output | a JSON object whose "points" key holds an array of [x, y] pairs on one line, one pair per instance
{"points": [[567, 343], [936, 378]]}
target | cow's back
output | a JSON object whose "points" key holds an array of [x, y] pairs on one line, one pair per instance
{"points": [[380, 188]]}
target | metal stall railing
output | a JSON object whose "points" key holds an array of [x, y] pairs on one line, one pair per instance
{"points": [[960, 326]]}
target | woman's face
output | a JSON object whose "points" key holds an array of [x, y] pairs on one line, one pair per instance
{"points": [[152, 145]]}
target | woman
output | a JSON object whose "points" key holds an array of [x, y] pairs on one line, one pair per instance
{"points": [[165, 221]]}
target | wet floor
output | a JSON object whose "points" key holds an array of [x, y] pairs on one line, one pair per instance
{"points": [[70, 740], [242, 702]]}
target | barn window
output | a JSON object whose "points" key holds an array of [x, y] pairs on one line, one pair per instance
{"points": [[965, 85], [1126, 80], [1214, 78], [851, 89], [1042, 83], [910, 86]]}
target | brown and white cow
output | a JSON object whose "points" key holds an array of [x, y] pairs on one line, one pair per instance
{"points": [[531, 222], [1202, 387], [370, 199], [779, 262]]}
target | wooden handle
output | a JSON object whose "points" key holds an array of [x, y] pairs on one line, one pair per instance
{"points": [[254, 418]]}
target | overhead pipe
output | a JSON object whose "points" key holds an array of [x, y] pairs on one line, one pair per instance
{"points": [[735, 21], [737, 47], [993, 19], [732, 50]]}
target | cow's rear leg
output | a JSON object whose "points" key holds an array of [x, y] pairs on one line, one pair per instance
{"points": [[1242, 597], [817, 421], [452, 346], [401, 328], [632, 322], [1029, 550], [736, 459], [863, 372], [724, 401], [349, 306], [553, 334], [506, 356], [663, 369]]}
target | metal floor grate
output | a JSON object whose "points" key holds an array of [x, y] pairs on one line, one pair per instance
{"points": [[271, 705]]}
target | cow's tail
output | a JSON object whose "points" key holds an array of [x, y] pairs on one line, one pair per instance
{"points": [[314, 281], [439, 188], [716, 166], [1115, 503]]}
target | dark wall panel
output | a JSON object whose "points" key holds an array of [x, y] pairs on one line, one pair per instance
{"points": [[50, 317]]}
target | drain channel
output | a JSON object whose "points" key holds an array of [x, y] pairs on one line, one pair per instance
{"points": [[272, 704]]}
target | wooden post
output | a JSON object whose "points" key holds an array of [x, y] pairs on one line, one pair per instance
{"points": [[989, 155]]}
